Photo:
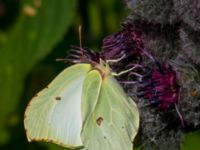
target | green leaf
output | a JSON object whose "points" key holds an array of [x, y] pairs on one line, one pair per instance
{"points": [[191, 141], [38, 28]]}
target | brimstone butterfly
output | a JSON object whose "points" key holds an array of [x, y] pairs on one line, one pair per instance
{"points": [[83, 107]]}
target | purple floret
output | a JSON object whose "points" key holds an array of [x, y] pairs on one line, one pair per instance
{"points": [[162, 89], [126, 44]]}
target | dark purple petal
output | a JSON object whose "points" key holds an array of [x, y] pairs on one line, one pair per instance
{"points": [[126, 43], [163, 89]]}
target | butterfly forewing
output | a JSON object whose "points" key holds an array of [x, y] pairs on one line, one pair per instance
{"points": [[54, 114]]}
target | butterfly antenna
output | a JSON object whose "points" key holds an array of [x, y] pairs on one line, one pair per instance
{"points": [[80, 38], [77, 52], [61, 59]]}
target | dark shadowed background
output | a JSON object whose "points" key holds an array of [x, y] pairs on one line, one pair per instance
{"points": [[33, 33]]}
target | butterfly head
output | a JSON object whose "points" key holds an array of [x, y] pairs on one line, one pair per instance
{"points": [[103, 67]]}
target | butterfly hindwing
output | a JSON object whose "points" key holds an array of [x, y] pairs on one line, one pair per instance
{"points": [[113, 121]]}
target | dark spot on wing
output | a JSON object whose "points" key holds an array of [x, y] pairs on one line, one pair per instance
{"points": [[99, 121], [58, 98], [122, 127], [104, 137]]}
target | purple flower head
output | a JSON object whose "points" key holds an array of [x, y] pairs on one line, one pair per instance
{"points": [[162, 89], [126, 44]]}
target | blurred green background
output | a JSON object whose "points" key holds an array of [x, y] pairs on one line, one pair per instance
{"points": [[33, 33]]}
